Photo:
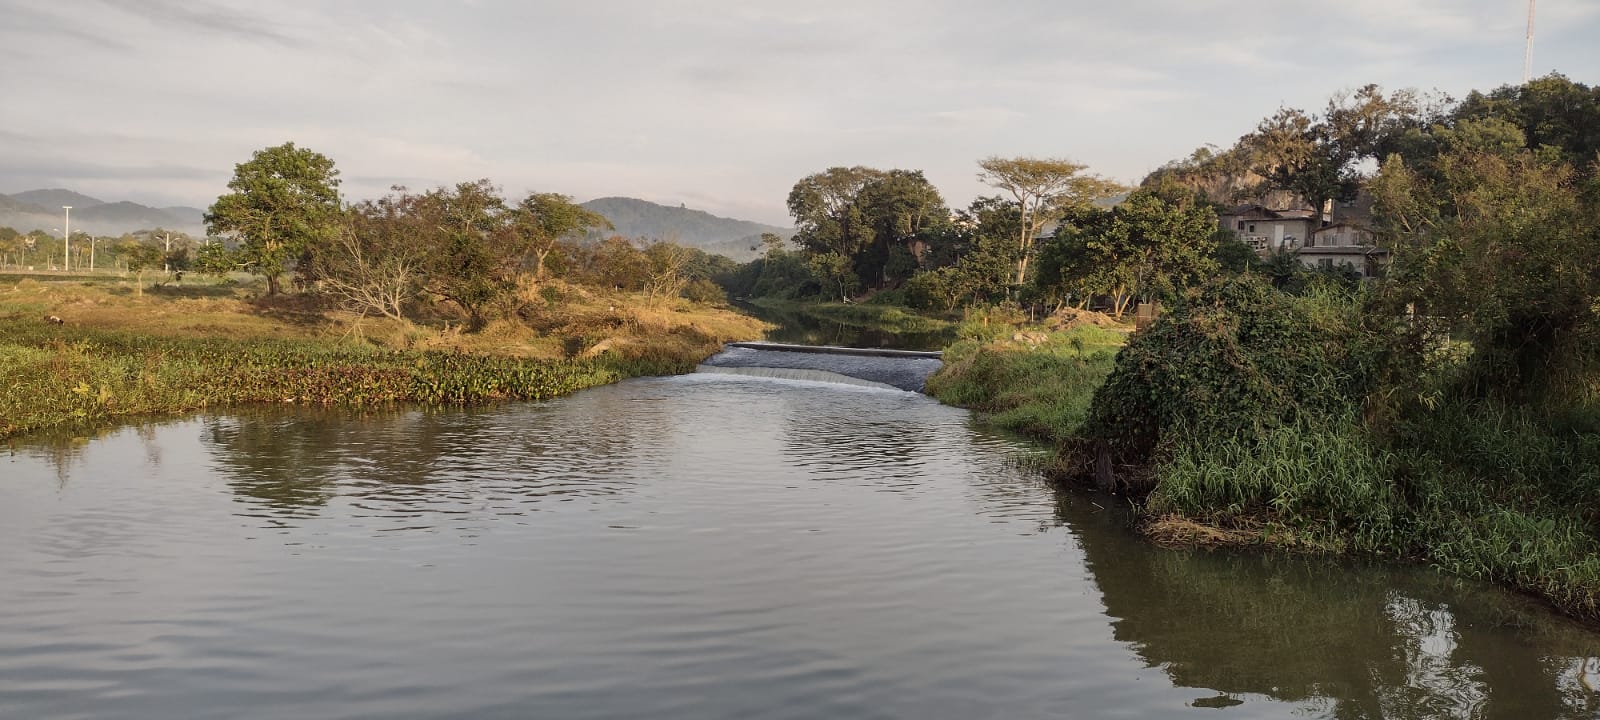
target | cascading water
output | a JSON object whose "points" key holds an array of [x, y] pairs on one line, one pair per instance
{"points": [[896, 369]]}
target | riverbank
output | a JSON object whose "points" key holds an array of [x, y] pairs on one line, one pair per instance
{"points": [[178, 349], [1230, 428]]}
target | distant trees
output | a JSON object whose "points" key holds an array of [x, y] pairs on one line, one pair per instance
{"points": [[284, 202], [1149, 247], [140, 257], [1044, 189], [860, 227]]}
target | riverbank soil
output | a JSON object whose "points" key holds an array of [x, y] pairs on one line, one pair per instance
{"points": [[83, 349]]}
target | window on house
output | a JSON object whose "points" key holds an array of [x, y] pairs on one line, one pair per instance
{"points": [[1241, 224], [1325, 264], [1252, 227]]}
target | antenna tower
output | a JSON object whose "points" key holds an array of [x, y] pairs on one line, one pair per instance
{"points": [[1527, 52]]}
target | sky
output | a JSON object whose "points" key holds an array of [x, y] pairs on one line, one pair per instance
{"points": [[720, 106]]}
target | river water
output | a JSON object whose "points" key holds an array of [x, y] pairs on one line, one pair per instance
{"points": [[705, 546]]}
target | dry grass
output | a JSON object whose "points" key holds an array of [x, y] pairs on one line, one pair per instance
{"points": [[557, 321], [1176, 531]]}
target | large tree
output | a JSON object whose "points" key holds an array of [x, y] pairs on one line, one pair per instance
{"points": [[543, 220], [865, 222], [1499, 244], [284, 202], [1147, 247], [1044, 189], [473, 258], [826, 215]]}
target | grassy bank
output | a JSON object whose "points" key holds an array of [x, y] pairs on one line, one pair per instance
{"points": [[206, 345], [1247, 419], [1033, 380]]}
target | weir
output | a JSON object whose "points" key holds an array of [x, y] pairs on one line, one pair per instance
{"points": [[872, 367]]}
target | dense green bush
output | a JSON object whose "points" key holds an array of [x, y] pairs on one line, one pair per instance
{"points": [[1235, 359]]}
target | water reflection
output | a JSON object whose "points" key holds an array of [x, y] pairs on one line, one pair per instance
{"points": [[1356, 640], [690, 547], [793, 326]]}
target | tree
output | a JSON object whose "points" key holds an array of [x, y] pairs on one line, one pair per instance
{"points": [[666, 265], [902, 210], [1147, 247], [472, 259], [215, 260], [1043, 188], [139, 258], [377, 263], [543, 220], [827, 219], [284, 202], [1500, 246], [835, 273]]}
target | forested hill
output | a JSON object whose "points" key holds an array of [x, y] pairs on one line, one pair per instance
{"points": [[41, 210], [633, 218]]}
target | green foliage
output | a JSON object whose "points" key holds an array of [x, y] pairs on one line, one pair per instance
{"points": [[140, 258], [1147, 247], [77, 376], [1499, 245], [283, 203], [1044, 190], [868, 219], [1234, 359], [1043, 391], [1322, 479]]}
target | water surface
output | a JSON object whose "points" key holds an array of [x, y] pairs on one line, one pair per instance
{"points": [[691, 547]]}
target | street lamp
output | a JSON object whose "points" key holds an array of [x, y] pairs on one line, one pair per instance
{"points": [[66, 239]]}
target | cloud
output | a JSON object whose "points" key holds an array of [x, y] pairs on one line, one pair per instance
{"points": [[724, 104]]}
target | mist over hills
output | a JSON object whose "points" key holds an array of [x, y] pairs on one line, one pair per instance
{"points": [[41, 210], [634, 218]]}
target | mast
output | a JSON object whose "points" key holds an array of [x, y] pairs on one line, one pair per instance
{"points": [[1527, 52]]}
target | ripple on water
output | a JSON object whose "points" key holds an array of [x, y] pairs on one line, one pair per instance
{"points": [[692, 547]]}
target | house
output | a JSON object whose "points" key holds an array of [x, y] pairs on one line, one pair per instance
{"points": [[1340, 235], [1265, 229]]}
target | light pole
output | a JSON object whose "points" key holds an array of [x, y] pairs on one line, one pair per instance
{"points": [[66, 239]]}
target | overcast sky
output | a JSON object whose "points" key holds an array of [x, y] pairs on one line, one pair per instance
{"points": [[718, 105]]}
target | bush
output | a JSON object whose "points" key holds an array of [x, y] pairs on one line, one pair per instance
{"points": [[1234, 360]]}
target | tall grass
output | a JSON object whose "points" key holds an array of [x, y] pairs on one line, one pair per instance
{"points": [[1475, 489]]}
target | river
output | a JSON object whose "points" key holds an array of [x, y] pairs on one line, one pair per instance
{"points": [[704, 546]]}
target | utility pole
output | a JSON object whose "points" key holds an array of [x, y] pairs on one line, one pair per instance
{"points": [[66, 240], [1527, 51]]}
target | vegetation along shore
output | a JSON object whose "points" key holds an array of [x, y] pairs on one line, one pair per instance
{"points": [[1378, 328]]}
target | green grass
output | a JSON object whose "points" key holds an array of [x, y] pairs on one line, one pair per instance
{"points": [[1042, 390], [1475, 489], [58, 376]]}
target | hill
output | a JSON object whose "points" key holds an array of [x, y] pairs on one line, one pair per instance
{"points": [[53, 198], [41, 210], [737, 239]]}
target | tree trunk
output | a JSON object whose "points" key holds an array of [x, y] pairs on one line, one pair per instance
{"points": [[272, 285]]}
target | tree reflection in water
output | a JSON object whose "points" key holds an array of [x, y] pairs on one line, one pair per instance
{"points": [[1353, 639]]}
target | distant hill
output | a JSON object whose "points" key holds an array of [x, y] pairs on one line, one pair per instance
{"points": [[41, 210], [53, 198], [737, 239]]}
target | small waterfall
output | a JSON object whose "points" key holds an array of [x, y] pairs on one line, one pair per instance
{"points": [[871, 367]]}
